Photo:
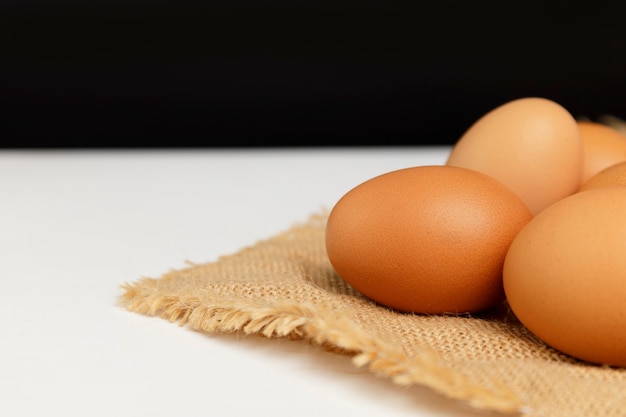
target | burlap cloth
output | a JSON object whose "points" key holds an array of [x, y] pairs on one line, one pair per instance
{"points": [[285, 287]]}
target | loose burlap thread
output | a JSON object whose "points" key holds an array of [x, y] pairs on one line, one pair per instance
{"points": [[285, 286]]}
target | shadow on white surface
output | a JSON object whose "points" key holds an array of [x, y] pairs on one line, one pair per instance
{"points": [[331, 377], [76, 226]]}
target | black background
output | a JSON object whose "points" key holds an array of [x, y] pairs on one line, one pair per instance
{"points": [[295, 73]]}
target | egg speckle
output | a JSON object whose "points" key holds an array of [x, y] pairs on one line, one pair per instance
{"points": [[426, 239]]}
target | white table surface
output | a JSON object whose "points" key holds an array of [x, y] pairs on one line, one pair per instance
{"points": [[75, 225]]}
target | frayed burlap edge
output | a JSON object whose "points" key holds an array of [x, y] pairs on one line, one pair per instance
{"points": [[332, 330]]}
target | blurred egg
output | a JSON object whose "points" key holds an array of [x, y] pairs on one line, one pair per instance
{"points": [[613, 121], [565, 275], [530, 144], [426, 239], [614, 175], [603, 146]]}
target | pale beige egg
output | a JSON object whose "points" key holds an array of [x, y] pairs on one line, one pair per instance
{"points": [[531, 144]]}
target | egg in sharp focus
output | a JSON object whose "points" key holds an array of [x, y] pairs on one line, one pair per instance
{"points": [[426, 239], [531, 144]]}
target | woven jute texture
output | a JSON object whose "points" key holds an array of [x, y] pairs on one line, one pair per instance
{"points": [[284, 286]]}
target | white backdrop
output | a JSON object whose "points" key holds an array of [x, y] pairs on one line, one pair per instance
{"points": [[75, 225]]}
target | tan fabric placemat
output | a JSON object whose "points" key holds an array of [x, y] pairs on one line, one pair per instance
{"points": [[285, 287]]}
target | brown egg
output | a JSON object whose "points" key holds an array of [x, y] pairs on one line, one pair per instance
{"points": [[426, 239], [610, 176], [565, 275], [530, 144], [603, 146]]}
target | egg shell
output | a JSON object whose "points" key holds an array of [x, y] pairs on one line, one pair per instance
{"points": [[603, 146], [614, 175], [565, 275], [531, 144], [426, 239]]}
